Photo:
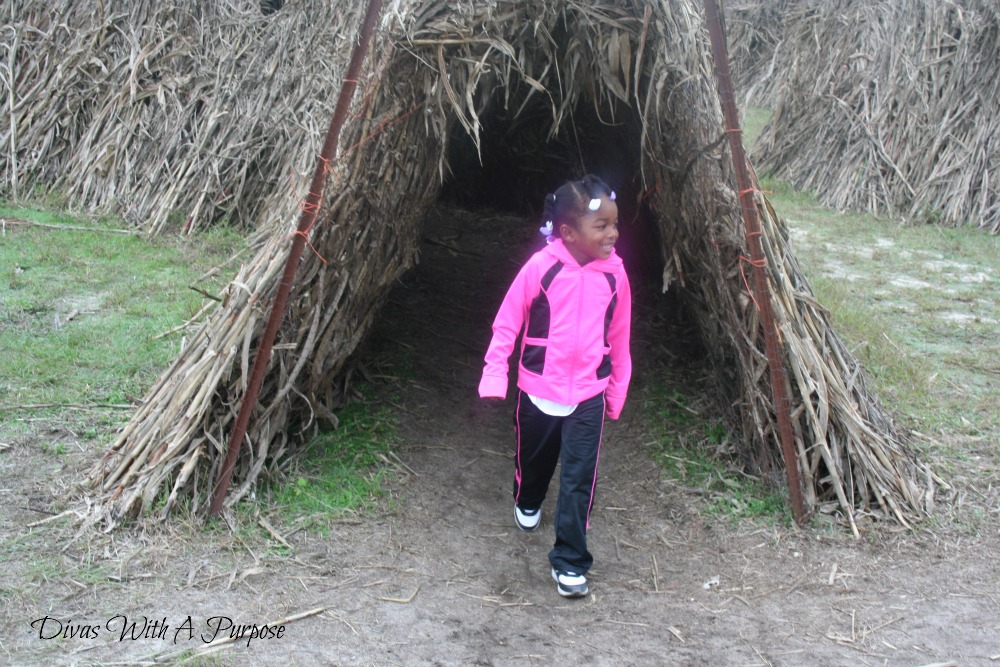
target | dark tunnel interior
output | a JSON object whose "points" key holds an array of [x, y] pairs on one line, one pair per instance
{"points": [[519, 164]]}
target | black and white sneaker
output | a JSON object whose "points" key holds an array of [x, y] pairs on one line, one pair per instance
{"points": [[570, 584], [527, 520]]}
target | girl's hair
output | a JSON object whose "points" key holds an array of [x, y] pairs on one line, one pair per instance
{"points": [[570, 201]]}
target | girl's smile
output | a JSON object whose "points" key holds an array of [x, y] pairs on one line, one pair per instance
{"points": [[595, 235]]}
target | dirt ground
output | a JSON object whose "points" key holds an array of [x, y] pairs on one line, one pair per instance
{"points": [[438, 575]]}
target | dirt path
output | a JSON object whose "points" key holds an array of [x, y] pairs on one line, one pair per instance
{"points": [[442, 577]]}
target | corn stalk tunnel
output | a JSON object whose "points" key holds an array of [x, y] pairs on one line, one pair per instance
{"points": [[483, 104]]}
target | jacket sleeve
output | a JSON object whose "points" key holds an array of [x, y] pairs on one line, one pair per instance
{"points": [[506, 327], [619, 334]]}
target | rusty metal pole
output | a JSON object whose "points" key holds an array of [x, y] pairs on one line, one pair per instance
{"points": [[758, 261], [310, 209]]}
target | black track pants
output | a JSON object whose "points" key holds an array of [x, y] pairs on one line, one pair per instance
{"points": [[542, 442]]}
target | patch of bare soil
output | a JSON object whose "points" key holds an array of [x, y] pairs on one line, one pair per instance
{"points": [[440, 575]]}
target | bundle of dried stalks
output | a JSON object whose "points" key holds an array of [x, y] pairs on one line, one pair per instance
{"points": [[901, 113], [439, 67], [755, 30], [150, 110]]}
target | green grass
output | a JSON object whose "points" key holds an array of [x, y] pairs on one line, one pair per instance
{"points": [[81, 317], [80, 311], [894, 292], [917, 303], [690, 450], [754, 121], [341, 470]]}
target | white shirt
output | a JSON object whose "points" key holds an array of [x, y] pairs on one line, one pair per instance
{"points": [[552, 408]]}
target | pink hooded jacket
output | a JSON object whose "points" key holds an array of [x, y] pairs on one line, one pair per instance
{"points": [[576, 322]]}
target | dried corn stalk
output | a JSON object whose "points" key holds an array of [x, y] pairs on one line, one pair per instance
{"points": [[755, 30], [171, 115], [899, 116]]}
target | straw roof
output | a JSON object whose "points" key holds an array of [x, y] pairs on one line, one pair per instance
{"points": [[635, 75], [901, 113]]}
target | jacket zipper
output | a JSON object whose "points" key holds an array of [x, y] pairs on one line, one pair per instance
{"points": [[576, 340]]}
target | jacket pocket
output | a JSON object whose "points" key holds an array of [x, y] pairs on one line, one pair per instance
{"points": [[533, 358]]}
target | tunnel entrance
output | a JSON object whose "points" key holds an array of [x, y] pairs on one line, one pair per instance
{"points": [[519, 163], [485, 225]]}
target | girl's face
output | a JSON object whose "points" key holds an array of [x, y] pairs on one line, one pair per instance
{"points": [[595, 233]]}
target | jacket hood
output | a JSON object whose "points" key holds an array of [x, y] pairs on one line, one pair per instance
{"points": [[559, 250]]}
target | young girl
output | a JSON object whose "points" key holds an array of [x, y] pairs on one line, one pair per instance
{"points": [[573, 304]]}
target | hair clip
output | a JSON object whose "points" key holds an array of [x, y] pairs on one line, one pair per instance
{"points": [[612, 195], [547, 231], [595, 204]]}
